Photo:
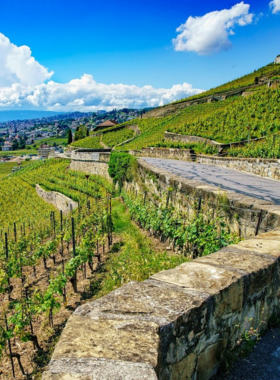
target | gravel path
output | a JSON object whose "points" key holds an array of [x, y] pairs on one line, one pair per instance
{"points": [[227, 179], [262, 364]]}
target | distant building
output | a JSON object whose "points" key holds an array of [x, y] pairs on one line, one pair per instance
{"points": [[277, 59], [45, 150], [7, 146], [106, 124]]}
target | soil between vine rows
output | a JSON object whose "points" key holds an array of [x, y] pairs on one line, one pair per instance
{"points": [[34, 362]]}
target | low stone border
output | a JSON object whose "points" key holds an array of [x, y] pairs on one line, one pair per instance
{"points": [[58, 200]]}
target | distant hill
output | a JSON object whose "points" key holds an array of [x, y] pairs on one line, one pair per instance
{"points": [[23, 115]]}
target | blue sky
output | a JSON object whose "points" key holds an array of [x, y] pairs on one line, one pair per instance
{"points": [[128, 43]]}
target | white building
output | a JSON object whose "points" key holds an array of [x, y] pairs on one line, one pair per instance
{"points": [[277, 59], [7, 146]]}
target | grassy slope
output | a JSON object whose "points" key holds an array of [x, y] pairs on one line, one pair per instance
{"points": [[6, 167], [136, 258]]}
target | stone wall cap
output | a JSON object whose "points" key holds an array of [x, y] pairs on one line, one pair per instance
{"points": [[98, 369]]}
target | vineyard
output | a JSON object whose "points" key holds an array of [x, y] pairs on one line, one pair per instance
{"points": [[270, 71], [45, 255], [113, 138], [257, 115], [88, 142], [231, 120]]}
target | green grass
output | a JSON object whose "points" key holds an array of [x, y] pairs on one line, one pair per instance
{"points": [[135, 258], [50, 141], [6, 167], [18, 152]]}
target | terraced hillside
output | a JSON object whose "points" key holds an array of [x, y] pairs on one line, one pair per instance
{"points": [[234, 119], [259, 76]]}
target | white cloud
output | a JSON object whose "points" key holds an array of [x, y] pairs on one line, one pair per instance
{"points": [[275, 6], [25, 83], [18, 66], [86, 94], [210, 33]]}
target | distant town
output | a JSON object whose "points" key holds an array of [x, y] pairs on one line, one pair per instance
{"points": [[27, 134]]}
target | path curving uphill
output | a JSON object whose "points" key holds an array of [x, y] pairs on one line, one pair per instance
{"points": [[227, 179]]}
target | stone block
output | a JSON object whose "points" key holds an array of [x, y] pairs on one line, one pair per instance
{"points": [[208, 361], [132, 341], [184, 370], [201, 277], [98, 369]]}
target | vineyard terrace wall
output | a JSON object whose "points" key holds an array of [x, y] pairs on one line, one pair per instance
{"points": [[180, 323], [268, 168], [91, 161], [58, 200], [245, 214], [175, 137]]}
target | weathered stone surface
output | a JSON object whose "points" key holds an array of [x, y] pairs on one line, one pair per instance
{"points": [[169, 136], [150, 301], [97, 168], [97, 369], [90, 162], [208, 361], [121, 340], [262, 246], [184, 369], [196, 276], [233, 258], [180, 154], [58, 200]]}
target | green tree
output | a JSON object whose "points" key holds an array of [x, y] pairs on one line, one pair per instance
{"points": [[69, 136]]}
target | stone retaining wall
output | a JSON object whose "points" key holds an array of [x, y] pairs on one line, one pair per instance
{"points": [[180, 323], [169, 136], [58, 200], [89, 161], [180, 154], [268, 168]]}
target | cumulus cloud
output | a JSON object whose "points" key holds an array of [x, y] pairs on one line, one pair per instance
{"points": [[25, 83], [210, 33], [275, 6], [18, 66], [85, 94]]}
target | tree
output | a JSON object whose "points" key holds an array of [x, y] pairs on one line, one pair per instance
{"points": [[15, 144], [80, 133], [69, 136]]}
